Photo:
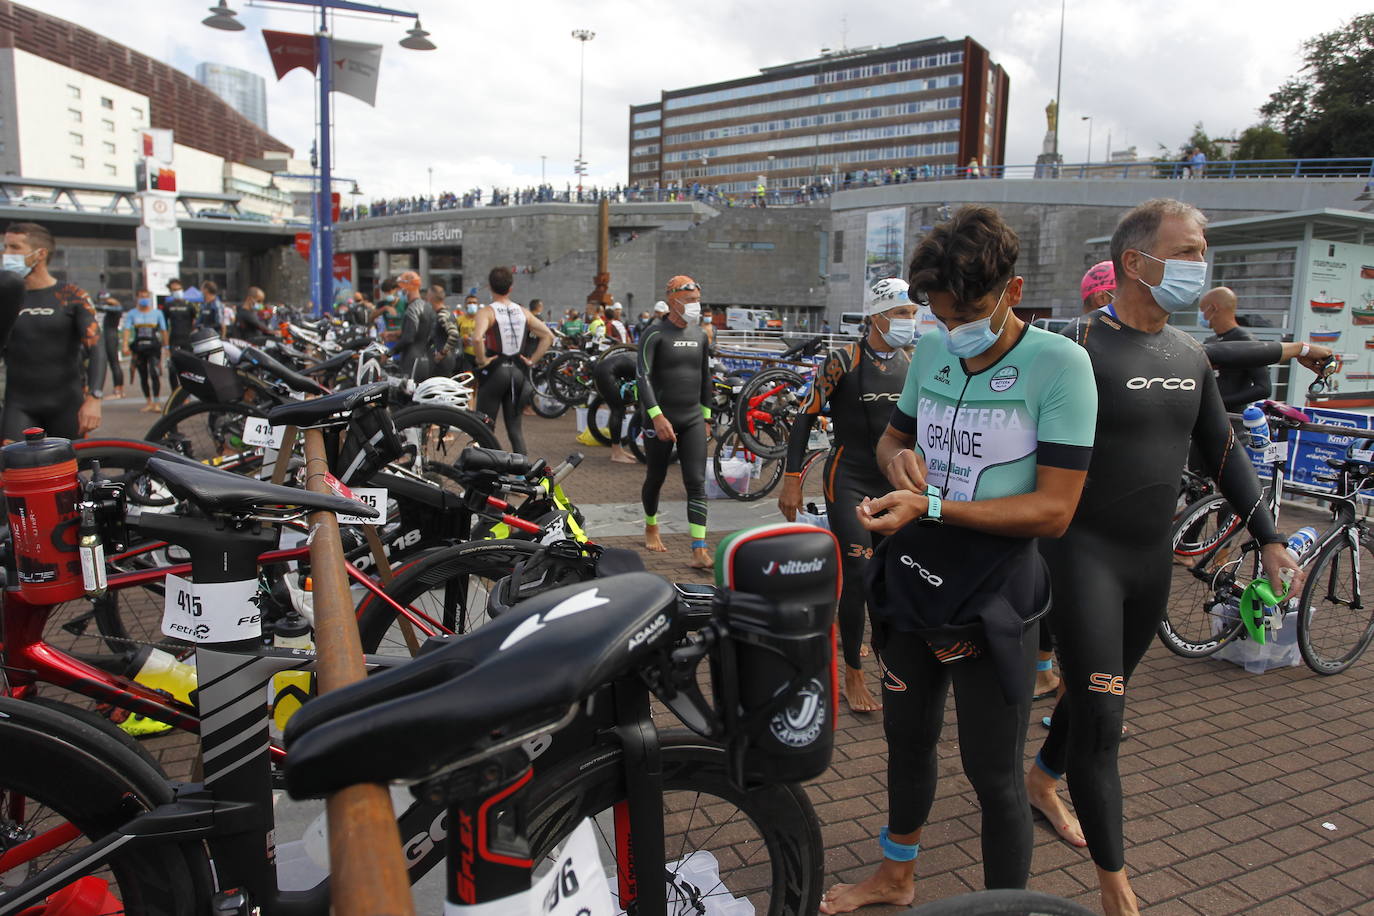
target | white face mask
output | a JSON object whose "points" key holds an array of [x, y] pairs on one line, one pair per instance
{"points": [[691, 311], [901, 332]]}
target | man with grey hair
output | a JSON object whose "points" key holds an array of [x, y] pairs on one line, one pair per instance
{"points": [[1112, 570]]}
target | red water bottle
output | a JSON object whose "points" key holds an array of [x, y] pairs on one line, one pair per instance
{"points": [[41, 493]]}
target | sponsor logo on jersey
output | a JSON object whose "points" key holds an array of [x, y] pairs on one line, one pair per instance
{"points": [[794, 567], [37, 312], [943, 375], [880, 396], [1168, 384], [910, 563], [684, 343], [803, 721], [1101, 682], [1003, 379]]}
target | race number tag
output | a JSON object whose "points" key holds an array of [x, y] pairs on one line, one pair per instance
{"points": [[575, 886], [373, 498], [1361, 454], [211, 612], [259, 431], [1276, 453]]}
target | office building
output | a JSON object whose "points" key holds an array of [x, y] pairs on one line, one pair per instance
{"points": [[930, 106], [245, 92]]}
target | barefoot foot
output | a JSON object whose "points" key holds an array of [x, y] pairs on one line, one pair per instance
{"points": [[702, 559], [857, 694], [1044, 799], [652, 540], [846, 898], [619, 457]]}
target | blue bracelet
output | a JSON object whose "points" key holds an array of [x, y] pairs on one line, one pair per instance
{"points": [[897, 852], [1045, 665]]}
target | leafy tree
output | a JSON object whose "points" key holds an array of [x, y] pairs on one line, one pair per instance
{"points": [[1200, 140], [1327, 109], [1261, 141]]}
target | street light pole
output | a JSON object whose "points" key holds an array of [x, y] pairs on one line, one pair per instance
{"points": [[324, 206], [583, 36], [1089, 119], [1058, 84]]}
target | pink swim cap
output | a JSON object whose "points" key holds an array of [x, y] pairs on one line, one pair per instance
{"points": [[1099, 277]]}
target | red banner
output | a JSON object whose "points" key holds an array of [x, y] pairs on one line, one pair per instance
{"points": [[290, 50], [303, 240], [343, 267]]}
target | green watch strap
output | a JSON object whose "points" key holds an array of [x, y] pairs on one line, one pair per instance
{"points": [[655, 411]]}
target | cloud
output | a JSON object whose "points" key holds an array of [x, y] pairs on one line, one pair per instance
{"points": [[502, 90]]}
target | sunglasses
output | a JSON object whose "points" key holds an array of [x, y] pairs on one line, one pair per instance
{"points": [[686, 288]]}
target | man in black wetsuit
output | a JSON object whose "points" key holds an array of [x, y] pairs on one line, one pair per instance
{"points": [[1112, 570], [1243, 383], [674, 376], [45, 385], [412, 347], [111, 316], [182, 315], [248, 324], [500, 334], [613, 372]]}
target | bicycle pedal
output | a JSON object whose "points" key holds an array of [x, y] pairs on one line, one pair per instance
{"points": [[232, 902]]}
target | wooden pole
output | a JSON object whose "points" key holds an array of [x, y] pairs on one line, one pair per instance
{"points": [[367, 872]]}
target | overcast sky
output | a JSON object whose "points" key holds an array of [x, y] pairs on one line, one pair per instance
{"points": [[502, 90]]}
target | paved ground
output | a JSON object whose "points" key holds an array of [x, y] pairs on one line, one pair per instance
{"points": [[1243, 792]]}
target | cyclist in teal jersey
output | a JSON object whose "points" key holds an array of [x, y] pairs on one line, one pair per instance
{"points": [[988, 450]]}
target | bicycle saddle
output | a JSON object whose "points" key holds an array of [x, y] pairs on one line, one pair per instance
{"points": [[216, 491], [334, 362], [477, 460], [304, 414], [502, 683], [290, 377]]}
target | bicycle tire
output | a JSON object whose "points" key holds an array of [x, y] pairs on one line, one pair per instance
{"points": [[593, 427], [544, 401], [436, 434], [55, 770], [1331, 640], [634, 436], [769, 469], [204, 431], [781, 815], [459, 605], [570, 378], [781, 407], [178, 399], [1000, 903], [1203, 568]]}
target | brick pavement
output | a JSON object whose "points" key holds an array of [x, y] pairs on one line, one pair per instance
{"points": [[1229, 777]]}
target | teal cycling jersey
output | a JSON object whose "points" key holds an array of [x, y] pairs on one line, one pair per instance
{"points": [[983, 433]]}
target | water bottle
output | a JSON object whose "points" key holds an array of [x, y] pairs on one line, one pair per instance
{"points": [[1257, 427], [1301, 541], [289, 689]]}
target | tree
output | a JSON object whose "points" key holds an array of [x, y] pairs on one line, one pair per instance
{"points": [[1200, 140], [1327, 109], [1261, 141]]}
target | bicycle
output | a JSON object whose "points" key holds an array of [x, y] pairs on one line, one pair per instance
{"points": [[1215, 561], [76, 802]]}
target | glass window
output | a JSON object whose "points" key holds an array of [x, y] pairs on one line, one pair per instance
{"points": [[76, 139], [839, 246], [645, 133], [106, 103], [78, 162], [905, 87], [137, 113], [109, 147], [644, 117], [107, 124], [741, 92], [74, 115], [119, 257], [111, 170], [74, 91]]}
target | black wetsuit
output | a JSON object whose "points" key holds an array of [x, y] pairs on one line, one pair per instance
{"points": [[181, 321], [413, 346], [249, 326], [501, 386], [44, 382], [1240, 385], [110, 318], [1111, 572], [11, 300], [612, 372], [674, 376], [861, 388]]}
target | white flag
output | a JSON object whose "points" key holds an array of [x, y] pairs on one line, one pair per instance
{"points": [[355, 70]]}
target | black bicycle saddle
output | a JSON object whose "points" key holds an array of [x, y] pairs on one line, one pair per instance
{"points": [[507, 680], [313, 413], [216, 491], [283, 373], [476, 459]]}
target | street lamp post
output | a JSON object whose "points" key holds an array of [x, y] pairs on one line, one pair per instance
{"points": [[1089, 119], [417, 39], [1058, 84], [583, 36]]}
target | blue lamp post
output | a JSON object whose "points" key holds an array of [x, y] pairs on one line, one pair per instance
{"points": [[417, 39]]}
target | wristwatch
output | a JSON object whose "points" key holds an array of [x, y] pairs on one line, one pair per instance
{"points": [[96, 393], [932, 518]]}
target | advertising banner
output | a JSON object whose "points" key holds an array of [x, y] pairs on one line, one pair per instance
{"points": [[1336, 307], [884, 245]]}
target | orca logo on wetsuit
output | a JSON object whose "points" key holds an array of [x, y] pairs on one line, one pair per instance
{"points": [[38, 312], [881, 396], [1168, 384], [926, 574]]}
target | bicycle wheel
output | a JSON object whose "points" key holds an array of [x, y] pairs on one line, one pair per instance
{"points": [[208, 431], [1211, 568], [595, 408], [64, 783], [449, 586], [434, 435], [769, 399], [544, 401], [763, 476], [766, 842], [1335, 623], [570, 378]]}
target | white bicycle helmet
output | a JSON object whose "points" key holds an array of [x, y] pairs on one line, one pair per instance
{"points": [[442, 390], [886, 294]]}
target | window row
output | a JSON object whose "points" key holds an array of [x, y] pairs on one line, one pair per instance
{"points": [[834, 97], [949, 58], [645, 133], [823, 162], [818, 120], [644, 117], [945, 125]]}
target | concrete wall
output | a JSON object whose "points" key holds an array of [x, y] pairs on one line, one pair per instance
{"points": [[1054, 220]]}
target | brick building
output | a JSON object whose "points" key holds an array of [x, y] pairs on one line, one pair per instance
{"points": [[936, 103]]}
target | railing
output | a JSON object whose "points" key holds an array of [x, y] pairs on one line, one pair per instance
{"points": [[1170, 169]]}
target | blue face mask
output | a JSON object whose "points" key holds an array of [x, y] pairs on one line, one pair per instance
{"points": [[901, 332], [971, 339], [145, 304], [1181, 285], [17, 264]]}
